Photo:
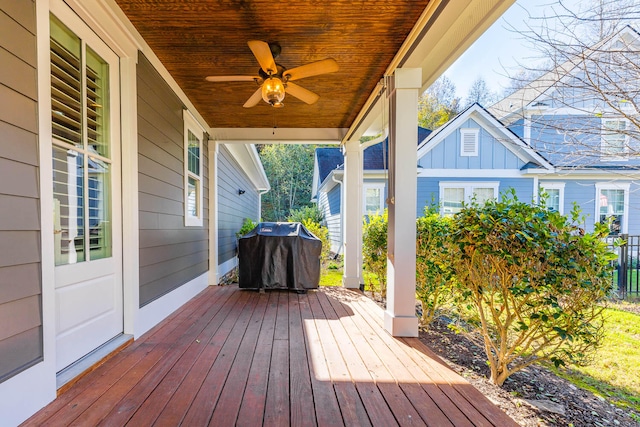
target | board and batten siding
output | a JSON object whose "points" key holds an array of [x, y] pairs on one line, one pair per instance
{"points": [[170, 253], [492, 154], [20, 256], [233, 207]]}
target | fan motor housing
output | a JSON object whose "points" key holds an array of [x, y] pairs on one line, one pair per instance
{"points": [[281, 69]]}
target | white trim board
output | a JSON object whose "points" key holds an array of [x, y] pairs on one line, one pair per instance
{"points": [[158, 310], [227, 266], [471, 173], [26, 393]]}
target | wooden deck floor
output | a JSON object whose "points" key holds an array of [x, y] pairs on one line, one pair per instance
{"points": [[233, 357]]}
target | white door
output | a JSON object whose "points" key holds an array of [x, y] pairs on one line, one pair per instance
{"points": [[86, 190]]}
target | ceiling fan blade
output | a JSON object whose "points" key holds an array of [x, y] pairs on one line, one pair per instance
{"points": [[262, 52], [301, 93], [232, 78], [254, 99], [325, 66]]}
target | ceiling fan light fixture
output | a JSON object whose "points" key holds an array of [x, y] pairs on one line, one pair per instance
{"points": [[273, 91]]}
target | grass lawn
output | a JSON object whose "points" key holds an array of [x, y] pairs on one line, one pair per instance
{"points": [[614, 372]]}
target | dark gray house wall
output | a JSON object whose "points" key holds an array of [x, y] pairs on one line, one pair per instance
{"points": [[170, 253], [233, 208], [20, 281]]}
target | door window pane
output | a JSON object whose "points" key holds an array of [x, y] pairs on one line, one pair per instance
{"points": [[66, 86], [97, 78], [611, 204], [99, 212], [82, 174], [68, 206]]}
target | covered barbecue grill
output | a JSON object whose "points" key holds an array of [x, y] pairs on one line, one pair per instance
{"points": [[279, 255]]}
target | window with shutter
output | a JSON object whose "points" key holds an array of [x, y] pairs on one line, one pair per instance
{"points": [[81, 163], [469, 142]]}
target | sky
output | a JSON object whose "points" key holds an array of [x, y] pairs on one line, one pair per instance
{"points": [[499, 50]]}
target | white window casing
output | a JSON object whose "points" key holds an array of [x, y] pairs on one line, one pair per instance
{"points": [[454, 193], [612, 200], [555, 193], [373, 198], [614, 139], [193, 171], [469, 142]]}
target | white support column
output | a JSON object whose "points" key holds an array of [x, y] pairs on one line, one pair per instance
{"points": [[352, 211], [214, 278], [400, 316]]}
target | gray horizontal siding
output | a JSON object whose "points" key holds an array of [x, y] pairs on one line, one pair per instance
{"points": [[170, 253], [20, 282], [233, 208]]}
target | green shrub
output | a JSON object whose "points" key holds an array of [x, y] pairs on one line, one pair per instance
{"points": [[434, 273], [374, 252], [535, 280], [321, 233], [311, 213], [247, 226]]}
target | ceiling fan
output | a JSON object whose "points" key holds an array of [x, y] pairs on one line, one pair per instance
{"points": [[275, 80]]}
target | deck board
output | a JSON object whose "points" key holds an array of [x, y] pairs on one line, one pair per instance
{"points": [[238, 357]]}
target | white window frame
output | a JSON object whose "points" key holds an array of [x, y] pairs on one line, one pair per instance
{"points": [[554, 186], [475, 132], [469, 188], [624, 155], [191, 124], [365, 187], [624, 227]]}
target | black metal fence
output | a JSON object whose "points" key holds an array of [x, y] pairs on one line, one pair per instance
{"points": [[627, 268]]}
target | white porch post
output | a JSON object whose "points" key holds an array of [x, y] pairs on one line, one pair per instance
{"points": [[400, 316], [352, 211], [214, 276]]}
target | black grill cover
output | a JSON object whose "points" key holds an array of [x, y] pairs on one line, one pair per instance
{"points": [[279, 255]]}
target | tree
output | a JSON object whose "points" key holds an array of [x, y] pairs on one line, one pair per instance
{"points": [[591, 70], [438, 104], [479, 92], [535, 280], [289, 168]]}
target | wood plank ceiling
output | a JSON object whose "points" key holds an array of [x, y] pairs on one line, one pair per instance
{"points": [[198, 38]]}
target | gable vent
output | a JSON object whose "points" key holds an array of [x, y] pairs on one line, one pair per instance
{"points": [[469, 142]]}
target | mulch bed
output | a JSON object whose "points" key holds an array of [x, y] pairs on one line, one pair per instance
{"points": [[464, 353]]}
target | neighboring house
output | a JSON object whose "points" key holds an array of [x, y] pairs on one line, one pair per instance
{"points": [[552, 137], [129, 185], [327, 189], [582, 117], [473, 156]]}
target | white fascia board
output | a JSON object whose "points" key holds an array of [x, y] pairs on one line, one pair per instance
{"points": [[489, 124], [318, 136], [330, 181], [249, 160], [500, 133], [441, 34], [471, 173]]}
